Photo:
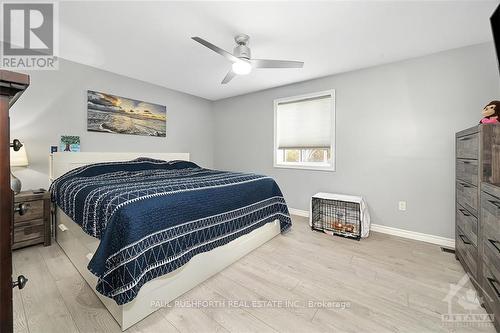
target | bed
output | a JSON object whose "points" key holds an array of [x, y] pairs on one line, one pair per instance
{"points": [[142, 229]]}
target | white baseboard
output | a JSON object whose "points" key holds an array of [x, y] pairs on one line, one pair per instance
{"points": [[298, 212], [438, 240]]}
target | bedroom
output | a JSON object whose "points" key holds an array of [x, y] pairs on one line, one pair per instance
{"points": [[166, 178]]}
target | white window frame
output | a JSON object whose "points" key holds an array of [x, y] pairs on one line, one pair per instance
{"points": [[305, 165]]}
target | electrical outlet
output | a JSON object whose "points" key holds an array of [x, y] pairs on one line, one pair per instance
{"points": [[402, 205]]}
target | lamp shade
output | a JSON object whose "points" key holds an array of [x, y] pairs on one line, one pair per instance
{"points": [[18, 158]]}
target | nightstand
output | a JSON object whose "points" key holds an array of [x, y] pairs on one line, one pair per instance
{"points": [[31, 226]]}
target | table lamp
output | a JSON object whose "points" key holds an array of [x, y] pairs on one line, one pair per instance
{"points": [[17, 159]]}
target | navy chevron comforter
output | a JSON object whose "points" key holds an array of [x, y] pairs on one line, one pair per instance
{"points": [[153, 216]]}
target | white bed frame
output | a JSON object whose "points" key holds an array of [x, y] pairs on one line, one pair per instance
{"points": [[80, 247]]}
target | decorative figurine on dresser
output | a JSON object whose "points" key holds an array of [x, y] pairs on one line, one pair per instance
{"points": [[477, 219], [12, 85]]}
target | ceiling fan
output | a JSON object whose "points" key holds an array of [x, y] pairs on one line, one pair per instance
{"points": [[242, 63]]}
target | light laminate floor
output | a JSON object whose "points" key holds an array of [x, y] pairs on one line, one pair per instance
{"points": [[288, 285]]}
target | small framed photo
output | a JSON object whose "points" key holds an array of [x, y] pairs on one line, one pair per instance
{"points": [[70, 143]]}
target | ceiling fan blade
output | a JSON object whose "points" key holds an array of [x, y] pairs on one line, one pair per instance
{"points": [[229, 76], [268, 63], [217, 49]]}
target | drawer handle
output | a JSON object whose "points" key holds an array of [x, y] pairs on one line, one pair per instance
{"points": [[495, 203], [494, 243], [466, 162], [467, 138], [21, 209], [465, 185], [16, 145], [20, 283], [464, 239], [62, 227], [464, 212], [493, 283]]}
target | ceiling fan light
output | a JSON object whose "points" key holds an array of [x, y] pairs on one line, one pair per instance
{"points": [[242, 67]]}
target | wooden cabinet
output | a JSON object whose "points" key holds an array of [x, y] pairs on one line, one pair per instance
{"points": [[12, 86], [490, 248], [477, 222], [32, 226], [467, 198], [490, 154], [489, 228]]}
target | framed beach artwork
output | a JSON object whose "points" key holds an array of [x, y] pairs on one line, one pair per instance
{"points": [[114, 114]]}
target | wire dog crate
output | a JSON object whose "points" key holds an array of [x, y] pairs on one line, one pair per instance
{"points": [[338, 217]]}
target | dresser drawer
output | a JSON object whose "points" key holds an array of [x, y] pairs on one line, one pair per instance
{"points": [[467, 170], [467, 196], [490, 216], [468, 146], [490, 189], [28, 233], [491, 255], [491, 287], [467, 223], [34, 211], [466, 251]]}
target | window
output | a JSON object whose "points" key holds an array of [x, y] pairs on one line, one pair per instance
{"points": [[304, 131]]}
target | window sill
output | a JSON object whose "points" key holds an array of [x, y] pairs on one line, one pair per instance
{"points": [[330, 168]]}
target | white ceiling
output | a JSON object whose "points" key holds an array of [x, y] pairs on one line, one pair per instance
{"points": [[151, 41]]}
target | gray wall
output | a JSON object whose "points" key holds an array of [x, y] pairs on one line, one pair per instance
{"points": [[395, 130], [394, 135], [55, 104]]}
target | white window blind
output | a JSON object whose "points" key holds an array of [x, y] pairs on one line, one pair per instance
{"points": [[305, 123]]}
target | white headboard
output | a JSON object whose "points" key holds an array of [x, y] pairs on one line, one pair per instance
{"points": [[60, 162]]}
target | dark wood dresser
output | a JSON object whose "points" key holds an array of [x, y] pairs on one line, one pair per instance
{"points": [[12, 85], [477, 222], [31, 219]]}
